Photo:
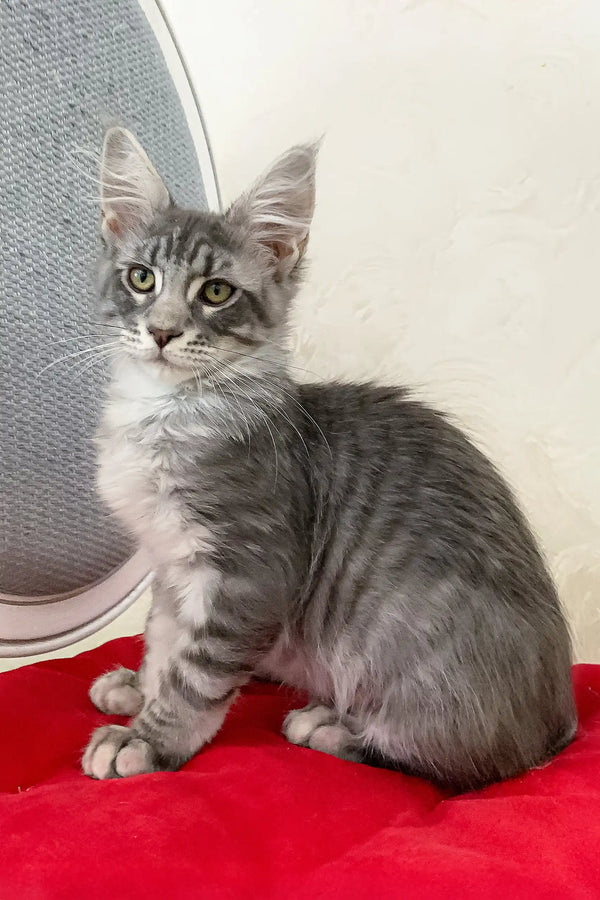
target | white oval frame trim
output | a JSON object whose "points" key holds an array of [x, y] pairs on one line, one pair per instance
{"points": [[64, 620]]}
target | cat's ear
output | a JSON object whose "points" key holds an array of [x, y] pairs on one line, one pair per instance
{"points": [[278, 209], [132, 191]]}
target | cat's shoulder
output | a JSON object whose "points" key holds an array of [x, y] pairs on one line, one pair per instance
{"points": [[368, 400], [386, 415]]}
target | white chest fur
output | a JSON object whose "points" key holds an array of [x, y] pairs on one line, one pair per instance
{"points": [[138, 476]]}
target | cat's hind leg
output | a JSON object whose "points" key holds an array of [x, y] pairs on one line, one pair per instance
{"points": [[320, 728], [117, 693]]}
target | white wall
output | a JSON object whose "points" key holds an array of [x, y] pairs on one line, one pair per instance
{"points": [[456, 244]]}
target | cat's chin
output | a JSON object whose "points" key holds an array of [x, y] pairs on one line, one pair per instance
{"points": [[164, 370]]}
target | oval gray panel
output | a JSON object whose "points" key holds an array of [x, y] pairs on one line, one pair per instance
{"points": [[67, 70]]}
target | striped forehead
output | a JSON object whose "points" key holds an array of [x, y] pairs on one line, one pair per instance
{"points": [[196, 252]]}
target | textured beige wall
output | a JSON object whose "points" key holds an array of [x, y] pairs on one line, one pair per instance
{"points": [[456, 244]]}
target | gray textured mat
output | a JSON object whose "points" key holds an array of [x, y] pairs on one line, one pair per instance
{"points": [[67, 69]]}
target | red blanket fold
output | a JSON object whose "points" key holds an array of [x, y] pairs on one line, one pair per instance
{"points": [[254, 817]]}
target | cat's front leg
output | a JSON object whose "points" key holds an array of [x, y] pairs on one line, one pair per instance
{"points": [[185, 702], [121, 691]]}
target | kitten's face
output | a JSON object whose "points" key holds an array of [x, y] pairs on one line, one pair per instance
{"points": [[195, 293], [191, 299]]}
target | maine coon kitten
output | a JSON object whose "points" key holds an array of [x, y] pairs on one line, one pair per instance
{"points": [[343, 538]]}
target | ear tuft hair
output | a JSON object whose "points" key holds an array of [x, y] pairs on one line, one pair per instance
{"points": [[132, 190], [277, 211]]}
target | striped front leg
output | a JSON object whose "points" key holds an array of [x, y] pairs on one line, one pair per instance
{"points": [[186, 698]]}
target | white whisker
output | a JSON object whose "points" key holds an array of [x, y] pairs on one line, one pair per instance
{"points": [[79, 337], [260, 359], [266, 420], [102, 356], [73, 355], [277, 387], [247, 424], [266, 395]]}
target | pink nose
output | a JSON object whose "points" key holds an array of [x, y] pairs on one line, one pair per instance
{"points": [[162, 336]]}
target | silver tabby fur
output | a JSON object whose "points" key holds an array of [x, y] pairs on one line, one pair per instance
{"points": [[343, 538]]}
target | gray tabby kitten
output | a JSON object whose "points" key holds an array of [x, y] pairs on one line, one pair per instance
{"points": [[345, 539]]}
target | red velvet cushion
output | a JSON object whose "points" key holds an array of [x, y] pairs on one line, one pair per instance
{"points": [[254, 817]]}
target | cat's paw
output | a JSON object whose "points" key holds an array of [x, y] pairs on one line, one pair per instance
{"points": [[117, 694], [116, 752], [319, 728], [300, 724]]}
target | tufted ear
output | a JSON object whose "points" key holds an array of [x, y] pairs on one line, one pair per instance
{"points": [[132, 190], [278, 209]]}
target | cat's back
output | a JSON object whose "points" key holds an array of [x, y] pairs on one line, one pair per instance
{"points": [[389, 432], [397, 472]]}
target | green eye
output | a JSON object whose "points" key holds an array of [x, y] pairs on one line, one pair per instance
{"points": [[216, 292], [141, 279]]}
